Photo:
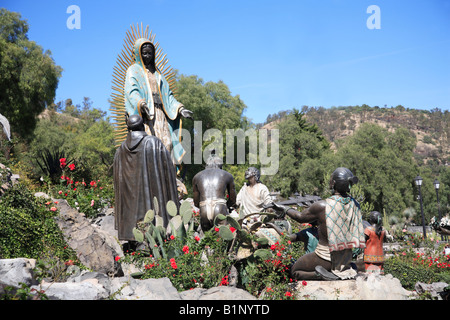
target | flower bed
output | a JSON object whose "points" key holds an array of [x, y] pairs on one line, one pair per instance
{"points": [[206, 262], [87, 197], [410, 266]]}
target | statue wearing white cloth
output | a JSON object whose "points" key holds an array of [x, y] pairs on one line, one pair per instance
{"points": [[253, 195]]}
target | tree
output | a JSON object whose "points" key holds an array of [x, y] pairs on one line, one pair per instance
{"points": [[383, 162], [213, 104], [28, 76], [94, 147], [301, 146], [87, 139]]}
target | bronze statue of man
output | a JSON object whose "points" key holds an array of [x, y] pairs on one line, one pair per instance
{"points": [[340, 229], [210, 187], [143, 170]]}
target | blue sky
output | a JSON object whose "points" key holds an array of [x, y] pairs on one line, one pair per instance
{"points": [[275, 55]]}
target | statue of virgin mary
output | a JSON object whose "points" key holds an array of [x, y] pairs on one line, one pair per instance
{"points": [[147, 93]]}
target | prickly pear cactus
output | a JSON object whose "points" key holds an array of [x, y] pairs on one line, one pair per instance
{"points": [[153, 234]]}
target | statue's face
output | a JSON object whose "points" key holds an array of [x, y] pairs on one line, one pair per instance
{"points": [[147, 54]]}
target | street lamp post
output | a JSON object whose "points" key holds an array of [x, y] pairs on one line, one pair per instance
{"points": [[418, 180], [436, 186]]}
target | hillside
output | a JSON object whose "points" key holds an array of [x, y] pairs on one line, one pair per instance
{"points": [[431, 128]]}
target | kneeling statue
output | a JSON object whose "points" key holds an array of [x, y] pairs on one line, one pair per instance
{"points": [[340, 229]]}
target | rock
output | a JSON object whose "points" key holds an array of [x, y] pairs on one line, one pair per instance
{"points": [[86, 290], [127, 288], [90, 285], [193, 294], [327, 290], [13, 272], [129, 268], [41, 195], [365, 287], [155, 289], [434, 289], [95, 248], [15, 178], [100, 278], [5, 178], [121, 289], [226, 293], [217, 293], [106, 224], [378, 287]]}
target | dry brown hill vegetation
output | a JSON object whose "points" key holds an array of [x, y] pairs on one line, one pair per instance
{"points": [[431, 128]]}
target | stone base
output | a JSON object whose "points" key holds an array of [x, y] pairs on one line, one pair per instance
{"points": [[364, 287]]}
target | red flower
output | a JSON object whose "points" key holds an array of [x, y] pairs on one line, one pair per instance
{"points": [[62, 162], [288, 294], [197, 238], [216, 229], [53, 209], [172, 237], [117, 258], [186, 249], [71, 167], [93, 183], [304, 283], [69, 263], [224, 281], [173, 264], [232, 229]]}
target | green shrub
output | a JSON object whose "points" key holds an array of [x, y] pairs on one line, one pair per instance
{"points": [[269, 277], [87, 197], [409, 273], [28, 228]]}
